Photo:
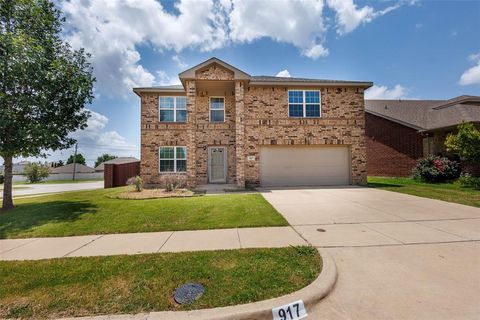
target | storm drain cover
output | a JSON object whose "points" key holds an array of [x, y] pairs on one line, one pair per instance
{"points": [[188, 293]]}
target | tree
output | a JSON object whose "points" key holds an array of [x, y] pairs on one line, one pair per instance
{"points": [[104, 157], [44, 83], [78, 159], [35, 172], [465, 143]]}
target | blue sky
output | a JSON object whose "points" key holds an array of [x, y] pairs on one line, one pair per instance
{"points": [[409, 49]]}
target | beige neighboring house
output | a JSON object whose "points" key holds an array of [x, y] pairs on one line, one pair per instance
{"points": [[68, 168], [222, 125], [119, 160]]}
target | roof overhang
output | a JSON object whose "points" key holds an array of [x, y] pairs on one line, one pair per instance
{"points": [[138, 91]]}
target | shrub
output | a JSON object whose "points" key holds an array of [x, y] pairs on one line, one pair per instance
{"points": [[137, 182], [436, 169], [36, 172], [2, 178], [469, 181], [172, 182]]}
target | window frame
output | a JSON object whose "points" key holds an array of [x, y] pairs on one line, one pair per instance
{"points": [[174, 159], [210, 109], [304, 103], [174, 109]]}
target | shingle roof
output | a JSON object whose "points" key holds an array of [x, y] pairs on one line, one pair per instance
{"points": [[118, 160], [292, 79], [68, 168], [427, 114]]}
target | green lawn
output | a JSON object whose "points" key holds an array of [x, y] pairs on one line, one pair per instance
{"points": [[451, 192], [140, 283], [93, 212]]}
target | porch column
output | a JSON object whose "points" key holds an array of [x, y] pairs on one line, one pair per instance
{"points": [[191, 92], [240, 133]]}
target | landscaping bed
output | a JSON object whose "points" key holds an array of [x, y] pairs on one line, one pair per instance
{"points": [[451, 192], [96, 212], [141, 283], [153, 194]]}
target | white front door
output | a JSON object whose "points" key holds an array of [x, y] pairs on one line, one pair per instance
{"points": [[217, 165]]}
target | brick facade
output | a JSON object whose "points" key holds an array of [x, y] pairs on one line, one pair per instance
{"points": [[254, 116], [392, 149]]}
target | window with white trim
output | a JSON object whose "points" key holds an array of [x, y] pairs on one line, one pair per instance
{"points": [[173, 159], [304, 103], [217, 109], [173, 109]]}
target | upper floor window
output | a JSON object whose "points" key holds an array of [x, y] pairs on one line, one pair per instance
{"points": [[173, 109], [217, 109], [304, 103], [173, 159]]}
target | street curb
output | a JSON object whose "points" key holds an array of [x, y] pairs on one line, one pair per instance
{"points": [[261, 310]]}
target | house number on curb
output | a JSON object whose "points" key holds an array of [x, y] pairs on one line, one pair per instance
{"points": [[292, 311]]}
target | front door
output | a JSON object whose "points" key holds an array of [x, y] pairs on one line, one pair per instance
{"points": [[217, 165]]}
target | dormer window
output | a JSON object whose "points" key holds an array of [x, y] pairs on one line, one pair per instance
{"points": [[173, 109]]}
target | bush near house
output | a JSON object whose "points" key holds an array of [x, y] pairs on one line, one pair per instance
{"points": [[36, 172], [469, 181], [436, 169], [2, 178]]}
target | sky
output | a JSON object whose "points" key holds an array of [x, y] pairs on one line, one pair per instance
{"points": [[409, 49]]}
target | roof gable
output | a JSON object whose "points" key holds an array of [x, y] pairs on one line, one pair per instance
{"points": [[192, 72]]}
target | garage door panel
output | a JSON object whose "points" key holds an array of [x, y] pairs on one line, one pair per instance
{"points": [[304, 166]]}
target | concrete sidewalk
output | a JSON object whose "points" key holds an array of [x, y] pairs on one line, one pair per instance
{"points": [[46, 188], [152, 242]]}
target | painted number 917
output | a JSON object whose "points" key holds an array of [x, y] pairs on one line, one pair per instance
{"points": [[292, 311]]}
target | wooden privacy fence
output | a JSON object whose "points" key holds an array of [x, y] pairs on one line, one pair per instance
{"points": [[116, 175]]}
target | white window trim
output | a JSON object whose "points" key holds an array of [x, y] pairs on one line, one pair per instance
{"points": [[174, 159], [210, 109], [305, 103], [174, 109]]}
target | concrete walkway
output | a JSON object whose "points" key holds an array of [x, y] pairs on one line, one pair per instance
{"points": [[136, 243]]}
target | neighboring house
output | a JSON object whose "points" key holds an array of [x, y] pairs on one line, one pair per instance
{"points": [[399, 132], [17, 168], [68, 168], [222, 125], [119, 160]]}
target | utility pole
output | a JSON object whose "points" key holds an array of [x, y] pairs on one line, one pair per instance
{"points": [[75, 161]]}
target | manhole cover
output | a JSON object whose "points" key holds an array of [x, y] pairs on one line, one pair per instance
{"points": [[188, 293], [321, 230]]}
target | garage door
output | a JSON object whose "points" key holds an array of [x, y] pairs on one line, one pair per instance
{"points": [[304, 166]]}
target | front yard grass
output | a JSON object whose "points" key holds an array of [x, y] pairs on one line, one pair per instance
{"points": [[451, 192], [95, 212], [141, 283]]}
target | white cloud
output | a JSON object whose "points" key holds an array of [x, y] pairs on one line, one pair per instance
{"points": [[383, 92], [284, 73], [349, 17], [113, 30], [93, 141], [163, 79], [472, 75], [179, 61]]}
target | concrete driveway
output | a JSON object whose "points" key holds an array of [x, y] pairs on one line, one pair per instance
{"points": [[398, 256]]}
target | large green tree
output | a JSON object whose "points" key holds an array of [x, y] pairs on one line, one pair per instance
{"points": [[104, 157], [44, 84], [79, 158], [465, 143]]}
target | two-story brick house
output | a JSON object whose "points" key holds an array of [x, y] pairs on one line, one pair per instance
{"points": [[225, 126]]}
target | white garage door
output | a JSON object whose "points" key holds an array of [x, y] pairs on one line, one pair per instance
{"points": [[304, 165]]}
